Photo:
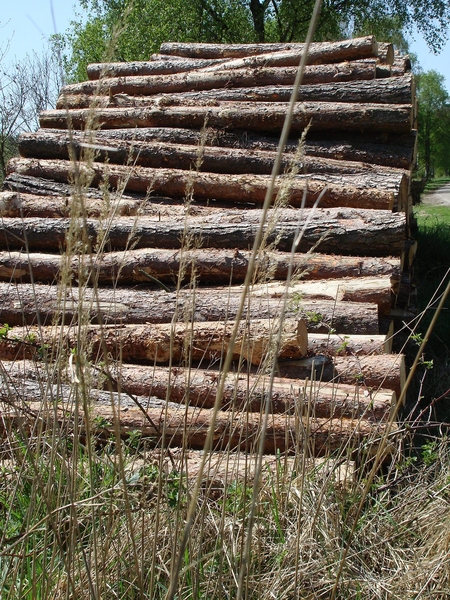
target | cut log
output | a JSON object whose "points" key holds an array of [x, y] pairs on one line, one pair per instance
{"points": [[45, 304], [164, 343], [242, 391], [51, 144], [254, 116], [212, 265], [353, 148], [378, 191], [348, 345], [200, 80], [328, 51], [344, 231], [162, 67], [371, 372], [188, 427], [391, 90]]}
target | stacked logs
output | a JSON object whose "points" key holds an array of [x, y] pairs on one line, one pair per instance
{"points": [[144, 189]]}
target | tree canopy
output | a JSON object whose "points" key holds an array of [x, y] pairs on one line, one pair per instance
{"points": [[134, 29]]}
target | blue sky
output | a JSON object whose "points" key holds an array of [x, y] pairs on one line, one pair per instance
{"points": [[26, 24]]}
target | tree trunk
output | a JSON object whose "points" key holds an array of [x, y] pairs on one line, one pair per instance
{"points": [[318, 51], [163, 343], [330, 231], [242, 391], [49, 144], [188, 427], [378, 191], [200, 80], [392, 90], [25, 303], [254, 116], [220, 266], [370, 372], [348, 345], [97, 71]]}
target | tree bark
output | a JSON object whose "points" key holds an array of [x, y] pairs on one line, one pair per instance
{"points": [[330, 231], [49, 144], [392, 90], [378, 191], [38, 303], [348, 345], [220, 266], [242, 391], [254, 116], [97, 71], [163, 343], [370, 372], [318, 51], [188, 427]]}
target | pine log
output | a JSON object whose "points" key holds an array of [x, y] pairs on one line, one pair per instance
{"points": [[378, 191], [220, 266], [38, 303], [348, 345], [97, 71], [242, 391], [254, 116], [199, 80], [370, 372], [51, 144], [188, 427], [353, 148], [386, 53], [163, 343], [392, 90], [317, 51], [330, 231]]}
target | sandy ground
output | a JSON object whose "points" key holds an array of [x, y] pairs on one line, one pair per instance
{"points": [[440, 197]]}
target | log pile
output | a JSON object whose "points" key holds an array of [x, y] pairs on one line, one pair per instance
{"points": [[127, 227]]}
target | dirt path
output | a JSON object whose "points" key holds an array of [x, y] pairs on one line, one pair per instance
{"points": [[440, 197]]}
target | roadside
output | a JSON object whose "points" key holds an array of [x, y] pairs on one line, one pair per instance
{"points": [[438, 197]]}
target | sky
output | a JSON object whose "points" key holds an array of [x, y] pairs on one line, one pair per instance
{"points": [[27, 24]]}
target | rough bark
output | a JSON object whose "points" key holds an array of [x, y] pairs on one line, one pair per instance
{"points": [[188, 427], [392, 90], [97, 71], [370, 372], [51, 144], [242, 391], [348, 345], [164, 343], [330, 231], [26, 303], [324, 51], [378, 191], [254, 116], [220, 266]]}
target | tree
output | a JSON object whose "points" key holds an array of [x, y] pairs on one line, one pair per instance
{"points": [[26, 87], [134, 29], [434, 124]]}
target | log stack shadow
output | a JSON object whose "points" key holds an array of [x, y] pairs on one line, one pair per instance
{"points": [[132, 211]]}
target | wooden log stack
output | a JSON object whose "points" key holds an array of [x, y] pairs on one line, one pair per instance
{"points": [[127, 229]]}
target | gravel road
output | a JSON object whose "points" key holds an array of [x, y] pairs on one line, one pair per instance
{"points": [[440, 197]]}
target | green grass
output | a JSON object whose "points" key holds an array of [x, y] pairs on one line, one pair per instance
{"points": [[435, 184]]}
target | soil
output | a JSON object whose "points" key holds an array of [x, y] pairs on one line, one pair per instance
{"points": [[440, 197]]}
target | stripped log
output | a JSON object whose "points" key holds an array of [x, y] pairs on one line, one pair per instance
{"points": [[340, 231], [327, 51], [44, 304], [378, 191], [198, 80], [188, 427], [241, 391], [218, 265], [390, 90], [254, 116], [370, 372], [348, 345], [51, 144], [163, 343]]}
